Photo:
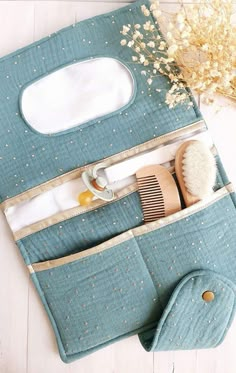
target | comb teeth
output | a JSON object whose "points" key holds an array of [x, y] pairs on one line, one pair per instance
{"points": [[158, 192], [152, 199]]}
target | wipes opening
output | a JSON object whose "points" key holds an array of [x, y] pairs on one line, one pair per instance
{"points": [[76, 94]]}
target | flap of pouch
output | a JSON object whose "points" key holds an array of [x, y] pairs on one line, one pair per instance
{"points": [[197, 315]]}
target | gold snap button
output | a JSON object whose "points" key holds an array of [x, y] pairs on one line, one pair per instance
{"points": [[208, 296]]}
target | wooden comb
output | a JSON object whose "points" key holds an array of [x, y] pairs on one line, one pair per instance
{"points": [[158, 192]]}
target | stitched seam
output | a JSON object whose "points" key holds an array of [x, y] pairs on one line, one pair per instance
{"points": [[125, 236]]}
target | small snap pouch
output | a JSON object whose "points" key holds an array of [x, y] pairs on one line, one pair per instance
{"points": [[198, 314]]}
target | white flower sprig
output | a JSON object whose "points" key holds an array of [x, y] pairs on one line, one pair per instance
{"points": [[198, 49]]}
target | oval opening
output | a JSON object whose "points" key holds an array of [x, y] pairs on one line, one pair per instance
{"points": [[76, 94]]}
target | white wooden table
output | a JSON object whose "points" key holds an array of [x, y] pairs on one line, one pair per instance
{"points": [[27, 343]]}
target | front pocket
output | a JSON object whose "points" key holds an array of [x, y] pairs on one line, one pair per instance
{"points": [[99, 298], [124, 284], [199, 237]]}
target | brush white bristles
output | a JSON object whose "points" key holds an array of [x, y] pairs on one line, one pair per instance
{"points": [[199, 169]]}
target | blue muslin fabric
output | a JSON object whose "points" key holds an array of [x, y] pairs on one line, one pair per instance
{"points": [[44, 157], [149, 283]]}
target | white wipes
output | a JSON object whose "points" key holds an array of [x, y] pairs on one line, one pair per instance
{"points": [[76, 94]]}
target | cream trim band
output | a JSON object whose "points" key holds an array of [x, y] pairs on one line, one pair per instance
{"points": [[59, 180], [50, 264], [70, 213]]}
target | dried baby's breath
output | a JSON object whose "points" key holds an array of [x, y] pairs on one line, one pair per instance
{"points": [[198, 49]]}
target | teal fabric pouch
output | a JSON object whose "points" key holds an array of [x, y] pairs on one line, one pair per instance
{"points": [[68, 102]]}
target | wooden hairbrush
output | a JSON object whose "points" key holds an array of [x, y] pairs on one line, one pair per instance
{"points": [[195, 170], [158, 192]]}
